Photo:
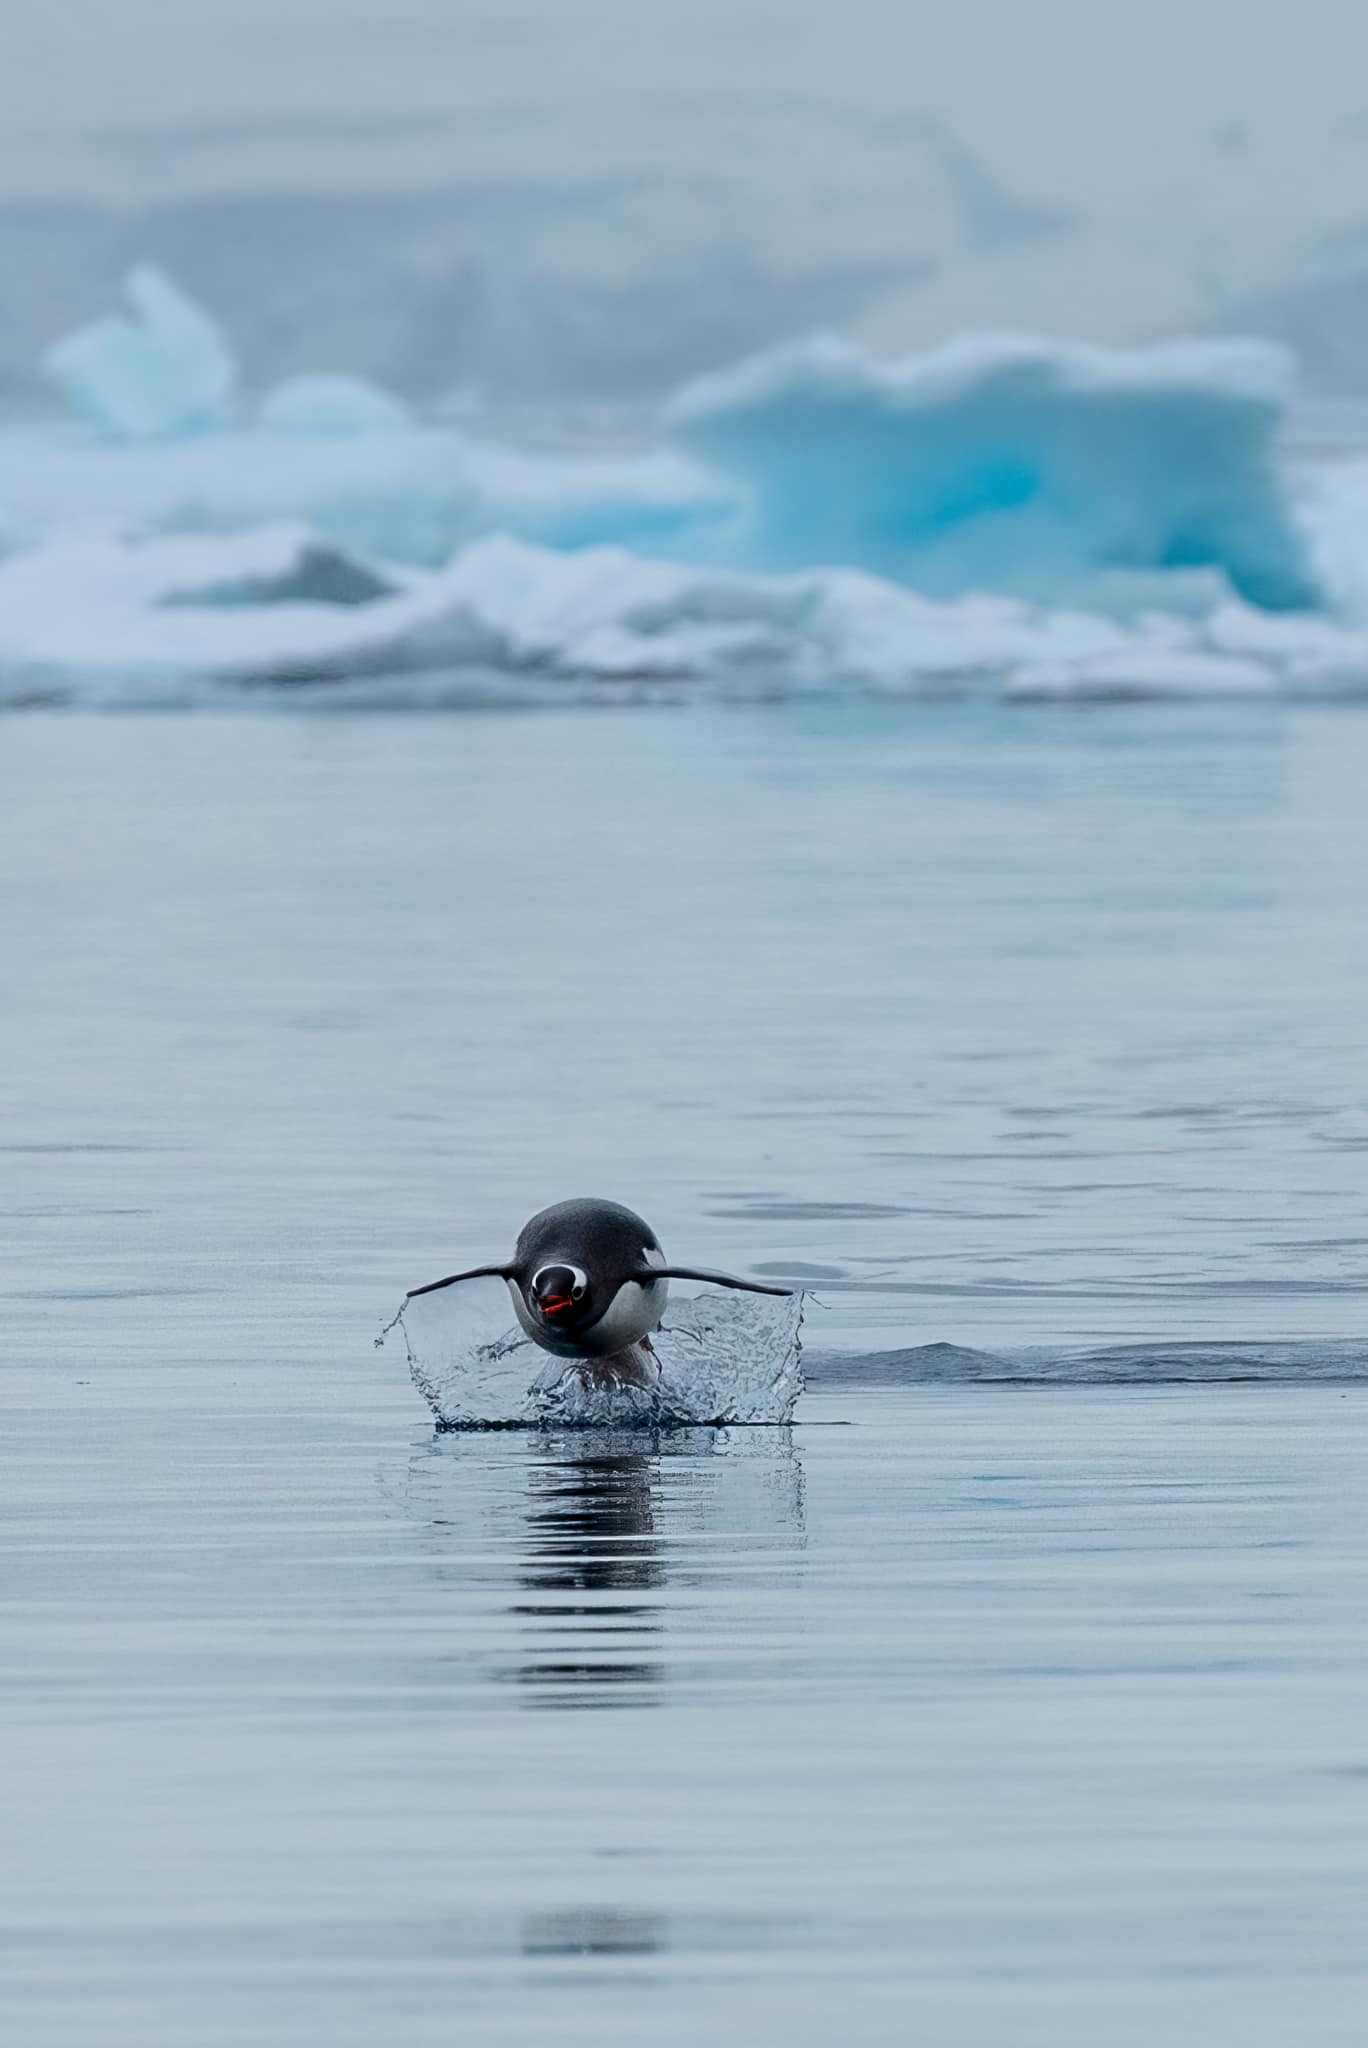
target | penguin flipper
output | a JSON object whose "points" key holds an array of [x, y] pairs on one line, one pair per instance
{"points": [[475, 1273], [705, 1273]]}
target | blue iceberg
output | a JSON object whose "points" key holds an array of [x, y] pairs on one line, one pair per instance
{"points": [[162, 370], [1006, 516], [1008, 464], [1001, 464]]}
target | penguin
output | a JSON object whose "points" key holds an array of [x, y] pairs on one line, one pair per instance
{"points": [[588, 1279]]}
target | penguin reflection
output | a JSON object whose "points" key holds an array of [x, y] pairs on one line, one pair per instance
{"points": [[602, 1549], [592, 1563]]}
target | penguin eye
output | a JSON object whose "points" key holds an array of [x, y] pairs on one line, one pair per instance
{"points": [[577, 1291]]}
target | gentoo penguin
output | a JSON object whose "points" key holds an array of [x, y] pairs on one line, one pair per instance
{"points": [[589, 1280]]}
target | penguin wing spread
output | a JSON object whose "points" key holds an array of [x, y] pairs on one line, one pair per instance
{"points": [[475, 1273], [649, 1273]]}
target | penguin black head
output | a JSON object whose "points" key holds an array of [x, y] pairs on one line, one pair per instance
{"points": [[588, 1278], [583, 1278]]}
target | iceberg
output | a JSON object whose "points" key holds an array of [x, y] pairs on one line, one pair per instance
{"points": [[331, 408], [996, 463], [163, 370], [1005, 463], [1006, 516], [407, 493]]}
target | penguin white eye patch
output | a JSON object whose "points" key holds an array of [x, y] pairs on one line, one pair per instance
{"points": [[579, 1280]]}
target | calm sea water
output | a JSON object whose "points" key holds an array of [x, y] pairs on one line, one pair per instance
{"points": [[976, 1712]]}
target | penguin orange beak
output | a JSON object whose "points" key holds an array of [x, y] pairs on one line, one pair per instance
{"points": [[555, 1304]]}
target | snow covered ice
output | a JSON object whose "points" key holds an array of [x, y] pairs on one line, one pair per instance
{"points": [[1007, 516]]}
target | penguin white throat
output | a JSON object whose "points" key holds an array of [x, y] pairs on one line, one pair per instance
{"points": [[588, 1279]]}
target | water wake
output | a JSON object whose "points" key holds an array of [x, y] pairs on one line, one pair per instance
{"points": [[1342, 1362]]}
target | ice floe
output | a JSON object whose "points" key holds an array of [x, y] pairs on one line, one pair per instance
{"points": [[104, 619]]}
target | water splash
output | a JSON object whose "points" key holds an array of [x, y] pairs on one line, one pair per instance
{"points": [[717, 1358]]}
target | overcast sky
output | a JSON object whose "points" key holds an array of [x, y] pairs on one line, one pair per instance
{"points": [[1197, 147], [1065, 85]]}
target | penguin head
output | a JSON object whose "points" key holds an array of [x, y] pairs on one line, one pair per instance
{"points": [[563, 1298], [576, 1274]]}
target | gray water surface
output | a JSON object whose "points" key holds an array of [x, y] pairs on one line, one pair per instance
{"points": [[967, 1711], [998, 1716]]}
